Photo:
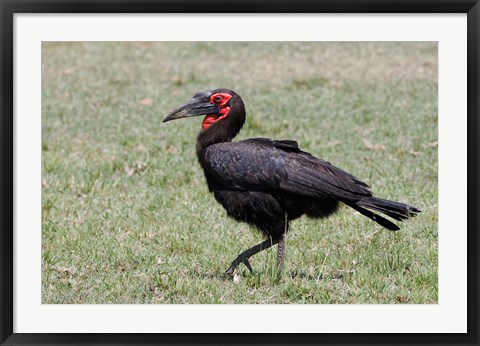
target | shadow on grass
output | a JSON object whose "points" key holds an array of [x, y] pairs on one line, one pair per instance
{"points": [[293, 274], [213, 275], [273, 275]]}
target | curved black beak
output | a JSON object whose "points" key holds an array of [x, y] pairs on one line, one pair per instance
{"points": [[198, 105]]}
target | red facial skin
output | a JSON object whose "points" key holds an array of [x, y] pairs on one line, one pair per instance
{"points": [[220, 99]]}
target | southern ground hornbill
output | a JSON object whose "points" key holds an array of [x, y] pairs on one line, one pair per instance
{"points": [[267, 183]]}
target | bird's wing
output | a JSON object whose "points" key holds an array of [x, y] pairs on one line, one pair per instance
{"points": [[264, 164]]}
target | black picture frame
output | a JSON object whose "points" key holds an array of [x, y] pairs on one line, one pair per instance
{"points": [[9, 8]]}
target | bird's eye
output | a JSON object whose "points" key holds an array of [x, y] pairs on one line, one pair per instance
{"points": [[217, 99]]}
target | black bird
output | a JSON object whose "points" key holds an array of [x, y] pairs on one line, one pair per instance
{"points": [[267, 183]]}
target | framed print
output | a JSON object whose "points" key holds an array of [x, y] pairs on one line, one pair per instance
{"points": [[323, 190]]}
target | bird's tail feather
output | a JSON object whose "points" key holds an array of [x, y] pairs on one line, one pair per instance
{"points": [[375, 217], [395, 210]]}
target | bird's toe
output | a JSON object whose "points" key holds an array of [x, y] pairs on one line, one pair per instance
{"points": [[247, 264], [230, 272]]}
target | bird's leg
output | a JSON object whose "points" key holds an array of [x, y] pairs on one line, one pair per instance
{"points": [[281, 245], [281, 252], [245, 255]]}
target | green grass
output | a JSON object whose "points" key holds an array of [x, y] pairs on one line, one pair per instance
{"points": [[126, 215]]}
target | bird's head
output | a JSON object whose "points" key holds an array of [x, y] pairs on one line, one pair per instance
{"points": [[217, 105]]}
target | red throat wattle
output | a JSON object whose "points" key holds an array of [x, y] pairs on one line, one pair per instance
{"points": [[220, 99], [212, 118]]}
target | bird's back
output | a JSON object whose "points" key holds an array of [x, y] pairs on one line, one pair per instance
{"points": [[264, 164]]}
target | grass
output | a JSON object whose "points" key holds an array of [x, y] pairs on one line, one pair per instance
{"points": [[126, 215]]}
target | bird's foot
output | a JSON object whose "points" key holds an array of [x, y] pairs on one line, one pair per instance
{"points": [[231, 271]]}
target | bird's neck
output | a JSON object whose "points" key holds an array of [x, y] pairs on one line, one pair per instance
{"points": [[211, 136], [222, 131], [208, 137]]}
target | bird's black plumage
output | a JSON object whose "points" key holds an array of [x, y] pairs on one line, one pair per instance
{"points": [[268, 183]]}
